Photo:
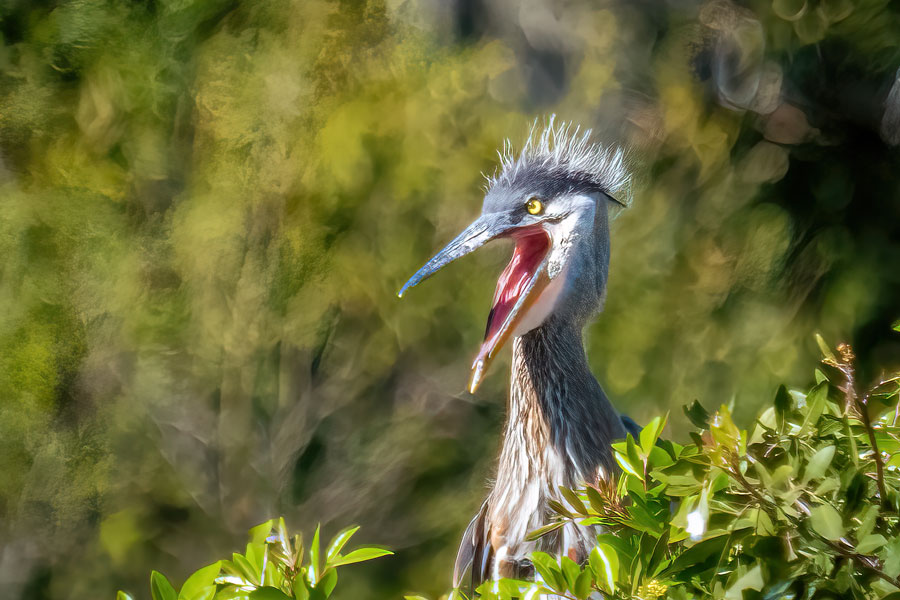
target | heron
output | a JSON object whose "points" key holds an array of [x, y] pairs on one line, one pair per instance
{"points": [[552, 200]]}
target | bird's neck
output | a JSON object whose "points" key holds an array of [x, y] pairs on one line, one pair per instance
{"points": [[558, 432], [556, 407]]}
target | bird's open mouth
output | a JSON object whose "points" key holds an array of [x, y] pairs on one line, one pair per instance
{"points": [[518, 287]]}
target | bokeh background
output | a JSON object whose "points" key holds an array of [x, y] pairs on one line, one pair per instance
{"points": [[207, 207]]}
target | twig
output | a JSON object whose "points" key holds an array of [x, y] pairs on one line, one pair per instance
{"points": [[860, 404], [869, 563]]}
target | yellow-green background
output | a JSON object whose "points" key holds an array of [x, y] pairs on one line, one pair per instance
{"points": [[207, 207]]}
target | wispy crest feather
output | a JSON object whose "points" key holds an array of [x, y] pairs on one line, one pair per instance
{"points": [[564, 151]]}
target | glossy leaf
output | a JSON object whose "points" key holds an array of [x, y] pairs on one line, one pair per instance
{"points": [[268, 593], [160, 588], [573, 500], [338, 542], [549, 570], [542, 531], [650, 434], [360, 555], [628, 467], [315, 559], [328, 582], [604, 562], [198, 585]]}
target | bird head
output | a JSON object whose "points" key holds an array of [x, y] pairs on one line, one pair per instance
{"points": [[551, 201]]}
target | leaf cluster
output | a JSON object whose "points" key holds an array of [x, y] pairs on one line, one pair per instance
{"points": [[275, 566], [805, 504]]}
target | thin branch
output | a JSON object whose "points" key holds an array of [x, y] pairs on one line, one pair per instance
{"points": [[853, 401], [870, 563]]}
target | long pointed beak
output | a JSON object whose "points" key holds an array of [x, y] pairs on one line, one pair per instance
{"points": [[519, 286], [481, 231]]}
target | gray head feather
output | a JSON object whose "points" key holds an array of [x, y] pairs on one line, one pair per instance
{"points": [[564, 154]]}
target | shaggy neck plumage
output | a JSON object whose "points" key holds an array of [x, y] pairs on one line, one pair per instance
{"points": [[552, 385], [558, 429]]}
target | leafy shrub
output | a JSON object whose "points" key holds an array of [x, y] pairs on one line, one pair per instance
{"points": [[806, 504], [274, 567]]}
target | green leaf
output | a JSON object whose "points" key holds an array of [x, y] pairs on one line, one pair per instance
{"points": [[752, 580], [559, 508], [596, 500], [542, 531], [160, 588], [870, 543], [706, 552], [300, 588], [583, 584], [260, 533], [570, 570], [298, 551], [360, 555], [120, 595], [627, 466], [604, 562], [890, 556], [659, 458], [824, 348], [268, 593], [624, 549], [329, 580], [697, 415], [245, 567], [283, 538], [631, 450], [315, 562], [896, 325], [232, 593], [867, 520], [783, 405], [517, 588], [201, 582], [255, 554], [818, 463], [549, 570], [827, 522], [815, 404], [338, 542], [573, 500], [651, 433], [414, 598]]}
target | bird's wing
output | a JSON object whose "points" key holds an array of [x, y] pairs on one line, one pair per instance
{"points": [[475, 550], [631, 427]]}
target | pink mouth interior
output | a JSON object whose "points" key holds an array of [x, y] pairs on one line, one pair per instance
{"points": [[532, 245]]}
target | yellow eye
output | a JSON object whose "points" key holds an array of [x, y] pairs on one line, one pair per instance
{"points": [[534, 206]]}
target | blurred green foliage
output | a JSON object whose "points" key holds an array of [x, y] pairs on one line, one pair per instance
{"points": [[206, 208]]}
